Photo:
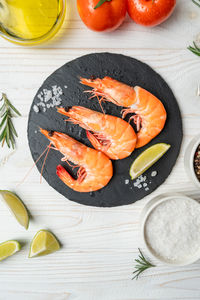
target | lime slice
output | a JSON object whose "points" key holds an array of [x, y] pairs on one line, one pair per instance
{"points": [[43, 243], [8, 248], [147, 159], [17, 207]]}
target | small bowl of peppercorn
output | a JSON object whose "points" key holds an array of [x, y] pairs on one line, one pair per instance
{"points": [[192, 160]]}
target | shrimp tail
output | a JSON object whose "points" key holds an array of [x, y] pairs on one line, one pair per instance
{"points": [[65, 176], [78, 184], [68, 179]]}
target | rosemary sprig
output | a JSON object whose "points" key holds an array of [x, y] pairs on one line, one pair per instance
{"points": [[7, 129], [100, 3], [197, 2], [142, 265], [195, 49]]}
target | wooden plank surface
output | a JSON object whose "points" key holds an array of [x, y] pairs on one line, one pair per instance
{"points": [[99, 245]]}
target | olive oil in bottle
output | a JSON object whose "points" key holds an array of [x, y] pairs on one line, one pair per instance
{"points": [[29, 19]]}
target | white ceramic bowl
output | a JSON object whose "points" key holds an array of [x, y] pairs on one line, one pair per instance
{"points": [[189, 159], [152, 204]]}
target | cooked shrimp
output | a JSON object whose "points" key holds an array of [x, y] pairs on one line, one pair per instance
{"points": [[150, 114], [111, 135], [95, 168]]}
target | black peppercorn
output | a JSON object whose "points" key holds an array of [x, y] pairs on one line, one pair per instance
{"points": [[197, 162], [92, 77], [67, 108], [51, 132]]}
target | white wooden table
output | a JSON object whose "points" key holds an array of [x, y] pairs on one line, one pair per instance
{"points": [[99, 245]]}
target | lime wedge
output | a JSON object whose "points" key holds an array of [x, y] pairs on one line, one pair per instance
{"points": [[17, 207], [43, 243], [8, 248], [147, 159]]}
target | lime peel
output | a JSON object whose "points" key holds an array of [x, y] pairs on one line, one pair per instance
{"points": [[43, 243], [147, 159], [16, 207], [9, 248]]}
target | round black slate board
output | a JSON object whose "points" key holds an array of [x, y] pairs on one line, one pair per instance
{"points": [[131, 72]]}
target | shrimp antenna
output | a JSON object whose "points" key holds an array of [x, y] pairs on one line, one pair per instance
{"points": [[49, 147], [100, 101], [97, 94], [41, 155]]}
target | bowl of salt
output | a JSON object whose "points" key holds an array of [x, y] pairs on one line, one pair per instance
{"points": [[170, 227]]}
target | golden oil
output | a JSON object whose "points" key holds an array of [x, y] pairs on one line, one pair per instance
{"points": [[29, 19]]}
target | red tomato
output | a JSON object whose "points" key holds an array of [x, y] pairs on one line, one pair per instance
{"points": [[107, 17], [150, 12]]}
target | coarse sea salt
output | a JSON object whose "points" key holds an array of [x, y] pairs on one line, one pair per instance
{"points": [[172, 230], [48, 98], [141, 182]]}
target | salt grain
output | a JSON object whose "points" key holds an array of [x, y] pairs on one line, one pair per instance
{"points": [[48, 95], [154, 173], [172, 230], [36, 109], [40, 97], [127, 181]]}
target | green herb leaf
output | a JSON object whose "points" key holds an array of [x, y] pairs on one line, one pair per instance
{"points": [[12, 139], [8, 135], [142, 265], [7, 129], [13, 108], [101, 2], [12, 127], [2, 134], [195, 49], [3, 120], [197, 2]]}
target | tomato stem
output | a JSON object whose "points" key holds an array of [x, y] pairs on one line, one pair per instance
{"points": [[101, 2]]}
